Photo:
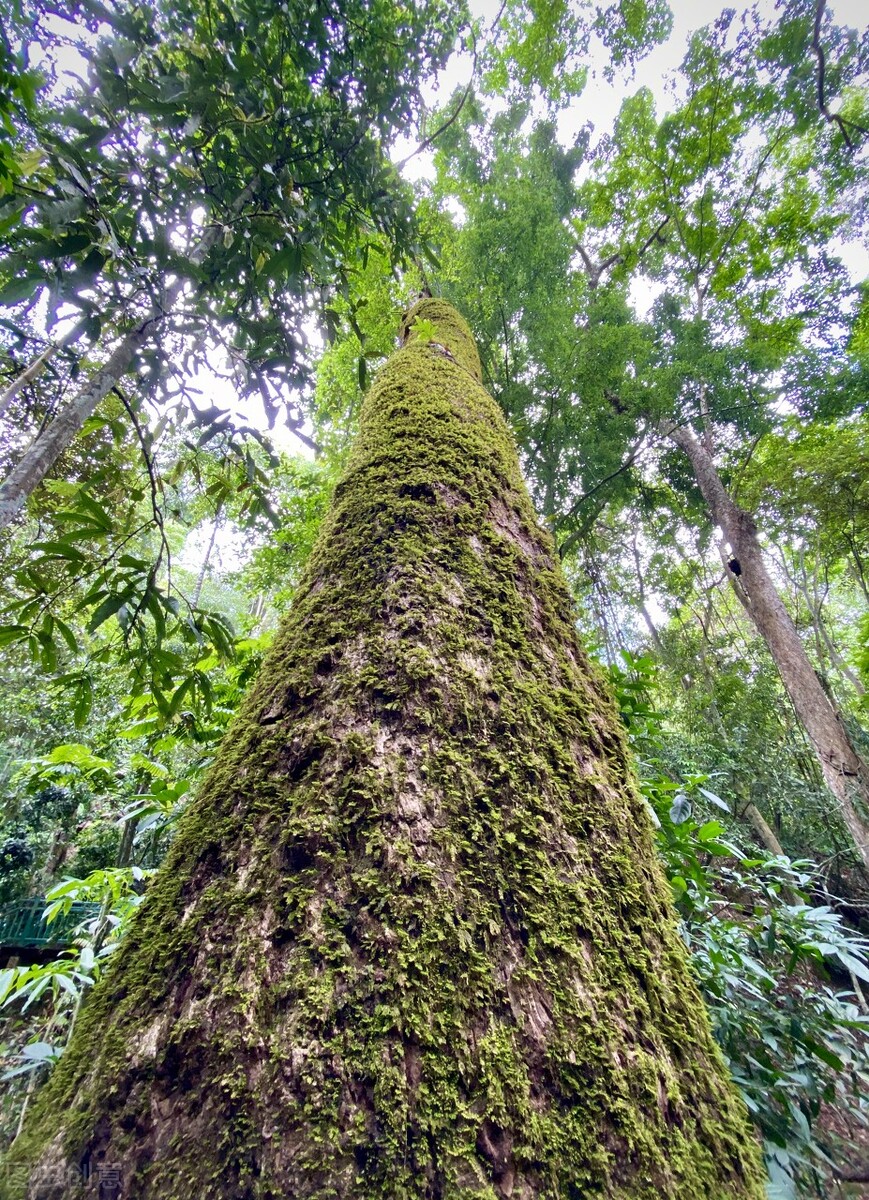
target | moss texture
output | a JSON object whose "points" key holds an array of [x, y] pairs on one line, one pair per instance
{"points": [[412, 939]]}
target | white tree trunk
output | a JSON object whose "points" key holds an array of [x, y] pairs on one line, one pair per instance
{"points": [[40, 457], [35, 369]]}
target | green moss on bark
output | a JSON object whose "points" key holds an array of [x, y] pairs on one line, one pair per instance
{"points": [[454, 339], [412, 939]]}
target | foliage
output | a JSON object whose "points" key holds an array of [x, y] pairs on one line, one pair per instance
{"points": [[55, 989], [687, 265], [765, 957], [18, 88], [238, 176]]}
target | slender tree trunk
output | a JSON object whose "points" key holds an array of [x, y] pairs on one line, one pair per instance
{"points": [[40, 457], [128, 837], [54, 860], [646, 615], [822, 634], [36, 368], [412, 939], [762, 828], [203, 570], [845, 772], [857, 573]]}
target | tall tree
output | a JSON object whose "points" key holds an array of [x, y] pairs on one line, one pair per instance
{"points": [[728, 206], [751, 290], [845, 771], [412, 937]]}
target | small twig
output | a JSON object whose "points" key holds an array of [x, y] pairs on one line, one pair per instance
{"points": [[154, 489], [573, 538], [654, 236], [506, 344], [594, 271], [35, 369], [424, 145]]}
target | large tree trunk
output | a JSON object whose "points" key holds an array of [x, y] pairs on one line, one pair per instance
{"points": [[845, 772], [412, 939]]}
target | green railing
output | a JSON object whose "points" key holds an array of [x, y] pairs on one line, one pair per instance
{"points": [[23, 924]]}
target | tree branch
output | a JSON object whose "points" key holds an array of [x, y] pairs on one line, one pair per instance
{"points": [[154, 486], [573, 538], [429, 141], [830, 117]]}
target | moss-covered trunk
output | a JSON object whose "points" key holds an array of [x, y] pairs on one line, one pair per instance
{"points": [[412, 939]]}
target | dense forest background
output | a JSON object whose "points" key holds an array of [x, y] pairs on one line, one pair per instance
{"points": [[212, 215]]}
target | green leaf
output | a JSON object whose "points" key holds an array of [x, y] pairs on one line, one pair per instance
{"points": [[67, 984], [824, 1054], [107, 609], [39, 1051], [61, 487], [67, 634], [854, 964], [77, 755], [140, 763], [185, 688], [60, 549], [92, 424], [84, 700], [721, 849], [7, 980], [710, 831], [48, 652], [12, 633], [96, 511], [713, 799], [19, 289]]}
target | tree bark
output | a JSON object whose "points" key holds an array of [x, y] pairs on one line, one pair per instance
{"points": [[822, 634], [203, 570], [763, 830], [845, 772], [412, 939]]}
